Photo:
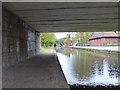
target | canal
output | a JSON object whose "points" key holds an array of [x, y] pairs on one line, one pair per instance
{"points": [[85, 68]]}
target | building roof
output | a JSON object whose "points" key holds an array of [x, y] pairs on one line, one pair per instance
{"points": [[103, 34]]}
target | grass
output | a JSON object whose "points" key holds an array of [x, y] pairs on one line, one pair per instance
{"points": [[47, 49], [66, 46], [113, 44], [43, 49]]}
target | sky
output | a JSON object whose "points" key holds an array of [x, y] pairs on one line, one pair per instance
{"points": [[63, 34], [60, 34]]}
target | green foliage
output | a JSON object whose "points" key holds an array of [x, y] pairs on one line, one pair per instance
{"points": [[113, 44], [82, 38], [47, 39], [118, 32]]}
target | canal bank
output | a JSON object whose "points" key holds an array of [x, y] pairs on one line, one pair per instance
{"points": [[111, 49], [41, 71]]}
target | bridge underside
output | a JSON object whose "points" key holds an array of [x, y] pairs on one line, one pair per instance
{"points": [[23, 21], [67, 16]]}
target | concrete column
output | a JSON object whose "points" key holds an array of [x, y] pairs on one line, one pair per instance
{"points": [[31, 43], [0, 45], [37, 42]]}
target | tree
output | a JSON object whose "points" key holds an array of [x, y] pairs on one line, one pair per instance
{"points": [[118, 32], [47, 39], [82, 38]]}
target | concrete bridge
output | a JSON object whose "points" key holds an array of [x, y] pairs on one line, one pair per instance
{"points": [[20, 40]]}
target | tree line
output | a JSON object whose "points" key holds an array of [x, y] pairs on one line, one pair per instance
{"points": [[47, 39], [82, 38]]}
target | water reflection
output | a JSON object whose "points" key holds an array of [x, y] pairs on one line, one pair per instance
{"points": [[88, 68]]}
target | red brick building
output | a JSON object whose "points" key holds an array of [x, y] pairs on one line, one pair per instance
{"points": [[103, 38], [68, 41]]}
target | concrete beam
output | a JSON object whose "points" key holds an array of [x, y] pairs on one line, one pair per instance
{"points": [[84, 11], [55, 5], [71, 16], [78, 28], [60, 0], [0, 45]]}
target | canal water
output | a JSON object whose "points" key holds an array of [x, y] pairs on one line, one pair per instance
{"points": [[85, 68]]}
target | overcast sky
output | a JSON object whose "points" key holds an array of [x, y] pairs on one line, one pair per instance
{"points": [[60, 34], [63, 34]]}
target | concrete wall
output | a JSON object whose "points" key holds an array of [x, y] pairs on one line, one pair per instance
{"points": [[0, 45], [103, 41], [19, 39]]}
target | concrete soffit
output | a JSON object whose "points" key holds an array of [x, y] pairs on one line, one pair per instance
{"points": [[67, 16]]}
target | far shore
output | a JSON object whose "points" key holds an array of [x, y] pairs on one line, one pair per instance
{"points": [[108, 49]]}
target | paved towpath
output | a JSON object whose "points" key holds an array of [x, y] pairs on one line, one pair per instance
{"points": [[41, 71]]}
